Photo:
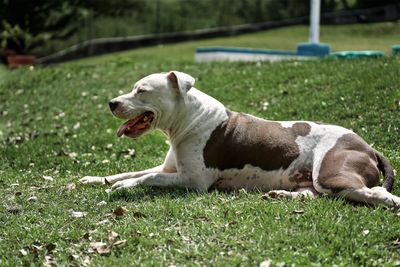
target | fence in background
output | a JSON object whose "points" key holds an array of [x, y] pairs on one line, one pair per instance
{"points": [[107, 45]]}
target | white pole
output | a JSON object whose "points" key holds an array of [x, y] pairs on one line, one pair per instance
{"points": [[314, 20]]}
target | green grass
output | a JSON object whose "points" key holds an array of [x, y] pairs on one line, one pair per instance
{"points": [[39, 109]]}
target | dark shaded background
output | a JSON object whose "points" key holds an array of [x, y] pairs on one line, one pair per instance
{"points": [[44, 26]]}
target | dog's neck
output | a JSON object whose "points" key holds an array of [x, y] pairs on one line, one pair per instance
{"points": [[191, 116]]}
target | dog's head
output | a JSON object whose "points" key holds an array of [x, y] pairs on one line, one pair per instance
{"points": [[151, 102]]}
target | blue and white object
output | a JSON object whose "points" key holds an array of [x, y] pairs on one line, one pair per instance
{"points": [[314, 47], [207, 54], [305, 51]]}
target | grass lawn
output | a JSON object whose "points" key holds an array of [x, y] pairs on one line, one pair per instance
{"points": [[55, 123]]}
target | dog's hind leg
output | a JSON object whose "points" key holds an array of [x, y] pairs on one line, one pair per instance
{"points": [[351, 171], [374, 195], [352, 187]]}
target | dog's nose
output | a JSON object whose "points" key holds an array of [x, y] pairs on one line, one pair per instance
{"points": [[113, 105]]}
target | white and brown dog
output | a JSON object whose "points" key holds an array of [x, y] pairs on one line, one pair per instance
{"points": [[213, 147]]}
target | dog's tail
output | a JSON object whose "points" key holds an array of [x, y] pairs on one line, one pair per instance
{"points": [[387, 171]]}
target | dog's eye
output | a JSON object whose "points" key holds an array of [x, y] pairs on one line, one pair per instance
{"points": [[140, 90]]}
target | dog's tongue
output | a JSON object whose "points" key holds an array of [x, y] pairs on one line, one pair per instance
{"points": [[122, 128], [128, 124]]}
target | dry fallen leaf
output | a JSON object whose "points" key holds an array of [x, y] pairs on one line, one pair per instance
{"points": [[73, 257], [48, 178], [32, 199], [72, 155], [24, 252], [104, 249], [101, 203], [48, 261], [93, 231], [120, 211], [231, 223], [86, 261], [112, 236], [201, 218], [103, 222], [396, 243], [109, 146], [120, 242], [19, 92], [35, 249], [299, 211], [70, 186], [265, 263], [14, 209], [78, 214], [130, 153], [101, 248]]}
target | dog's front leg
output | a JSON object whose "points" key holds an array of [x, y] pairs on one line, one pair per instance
{"points": [[159, 179], [131, 175], [118, 177], [169, 166]]}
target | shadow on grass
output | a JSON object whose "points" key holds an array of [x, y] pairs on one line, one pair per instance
{"points": [[151, 193], [157, 193]]}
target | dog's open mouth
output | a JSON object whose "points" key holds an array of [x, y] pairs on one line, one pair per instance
{"points": [[136, 126]]}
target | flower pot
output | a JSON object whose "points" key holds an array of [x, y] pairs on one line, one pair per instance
{"points": [[14, 61]]}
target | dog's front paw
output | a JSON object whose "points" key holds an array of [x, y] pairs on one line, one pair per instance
{"points": [[125, 184], [92, 180]]}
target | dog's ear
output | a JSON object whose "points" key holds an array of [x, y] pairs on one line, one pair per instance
{"points": [[181, 81]]}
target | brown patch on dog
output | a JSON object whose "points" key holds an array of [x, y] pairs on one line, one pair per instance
{"points": [[301, 128], [243, 139], [351, 163]]}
